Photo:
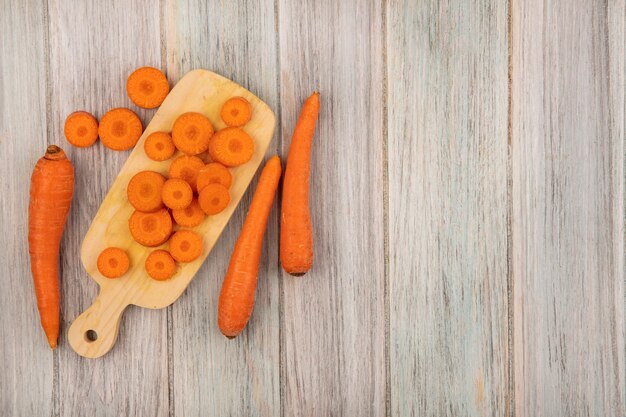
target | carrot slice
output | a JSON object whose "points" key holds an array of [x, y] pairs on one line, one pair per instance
{"points": [[185, 246], [160, 265], [190, 216], [113, 262], [213, 198], [231, 146], [147, 87], [159, 146], [144, 191], [150, 229], [192, 132], [81, 129], [186, 168], [214, 173], [176, 193], [237, 111], [120, 129]]}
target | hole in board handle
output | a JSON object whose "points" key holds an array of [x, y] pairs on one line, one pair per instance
{"points": [[91, 336]]}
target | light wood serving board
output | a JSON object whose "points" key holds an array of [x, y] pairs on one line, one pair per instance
{"points": [[200, 91]]}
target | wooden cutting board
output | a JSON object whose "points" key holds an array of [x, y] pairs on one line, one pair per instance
{"points": [[94, 332]]}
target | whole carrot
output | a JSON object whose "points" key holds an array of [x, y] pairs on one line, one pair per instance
{"points": [[296, 234], [51, 189], [237, 295]]}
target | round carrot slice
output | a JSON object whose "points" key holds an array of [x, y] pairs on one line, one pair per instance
{"points": [[190, 216], [176, 193], [150, 229], [237, 111], [147, 87], [120, 129], [144, 191], [213, 198], [192, 132], [186, 168], [185, 246], [214, 173], [113, 262], [231, 146], [81, 129], [160, 265], [159, 146]]}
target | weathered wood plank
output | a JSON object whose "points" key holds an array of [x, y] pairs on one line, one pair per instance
{"points": [[213, 375], [27, 361], [447, 147], [334, 319], [568, 207], [93, 48]]}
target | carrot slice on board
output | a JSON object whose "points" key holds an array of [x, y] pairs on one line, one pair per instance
{"points": [[160, 265], [159, 146], [81, 129], [185, 246], [213, 198], [190, 216], [231, 146], [186, 168], [147, 87], [236, 111], [214, 173], [176, 193], [120, 129], [144, 191], [150, 229], [113, 262], [192, 132]]}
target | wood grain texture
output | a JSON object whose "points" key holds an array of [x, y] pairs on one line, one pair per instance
{"points": [[568, 207], [333, 322], [94, 46], [213, 375], [26, 383], [447, 147]]}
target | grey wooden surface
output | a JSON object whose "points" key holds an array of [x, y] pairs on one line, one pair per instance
{"points": [[467, 201]]}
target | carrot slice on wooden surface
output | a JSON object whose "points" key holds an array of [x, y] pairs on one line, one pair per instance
{"points": [[160, 265], [120, 129], [147, 87], [186, 168], [176, 193], [113, 262], [213, 198], [144, 191], [185, 246], [150, 229], [296, 232], [231, 146], [214, 173], [238, 289], [51, 190], [81, 129], [190, 216], [236, 111], [159, 146], [192, 132]]}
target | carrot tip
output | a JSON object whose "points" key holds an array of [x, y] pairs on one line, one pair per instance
{"points": [[52, 341]]}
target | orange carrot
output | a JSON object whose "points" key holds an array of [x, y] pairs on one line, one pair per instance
{"points": [[185, 246], [113, 262], [120, 129], [144, 191], [160, 265], [213, 198], [237, 295], [150, 229], [147, 87], [81, 129], [296, 236], [191, 133], [176, 193], [231, 146], [214, 173], [236, 111], [159, 146], [186, 168], [51, 189], [190, 216]]}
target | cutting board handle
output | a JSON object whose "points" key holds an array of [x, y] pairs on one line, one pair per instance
{"points": [[94, 332]]}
